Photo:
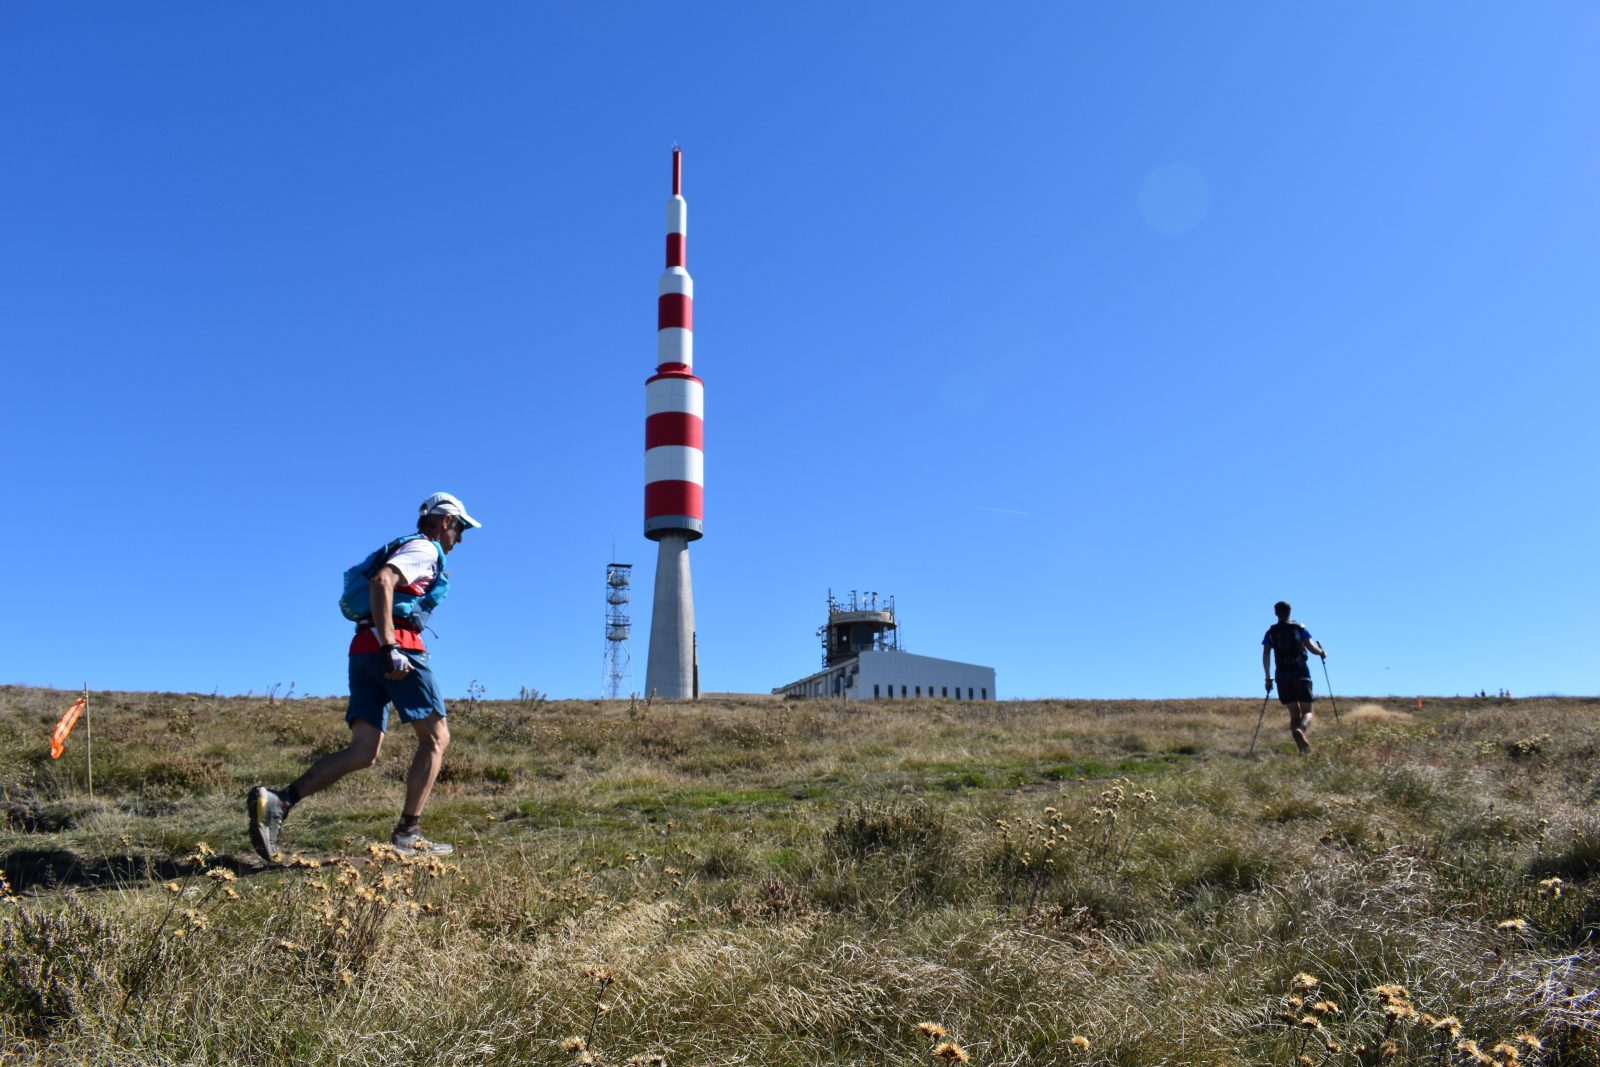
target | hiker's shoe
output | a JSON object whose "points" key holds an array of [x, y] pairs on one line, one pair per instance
{"points": [[412, 843], [1300, 741], [266, 811]]}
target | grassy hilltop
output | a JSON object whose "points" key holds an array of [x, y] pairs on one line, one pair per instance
{"points": [[751, 882]]}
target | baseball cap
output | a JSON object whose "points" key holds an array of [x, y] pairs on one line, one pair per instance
{"points": [[445, 504]]}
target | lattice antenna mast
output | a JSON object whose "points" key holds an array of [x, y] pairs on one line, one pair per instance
{"points": [[619, 587]]}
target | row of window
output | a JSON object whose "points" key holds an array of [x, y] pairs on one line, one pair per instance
{"points": [[944, 691]]}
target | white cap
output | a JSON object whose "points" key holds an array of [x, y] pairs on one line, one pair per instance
{"points": [[445, 504]]}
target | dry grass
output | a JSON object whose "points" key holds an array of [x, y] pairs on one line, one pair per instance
{"points": [[752, 882]]}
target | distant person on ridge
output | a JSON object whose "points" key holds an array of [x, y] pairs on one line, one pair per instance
{"points": [[390, 594], [1288, 642]]}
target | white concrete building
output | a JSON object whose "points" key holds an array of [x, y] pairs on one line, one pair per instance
{"points": [[895, 675], [862, 660]]}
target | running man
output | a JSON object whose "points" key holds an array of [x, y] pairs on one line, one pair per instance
{"points": [[388, 664], [1288, 642]]}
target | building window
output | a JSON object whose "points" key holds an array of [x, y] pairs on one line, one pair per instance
{"points": [[986, 692], [874, 690], [919, 690], [969, 692], [902, 692], [944, 690]]}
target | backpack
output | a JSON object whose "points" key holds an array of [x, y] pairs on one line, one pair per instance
{"points": [[410, 610], [1286, 646]]}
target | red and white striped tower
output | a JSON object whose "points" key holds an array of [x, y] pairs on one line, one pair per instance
{"points": [[674, 462]]}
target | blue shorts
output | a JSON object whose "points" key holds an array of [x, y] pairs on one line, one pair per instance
{"points": [[415, 696]]}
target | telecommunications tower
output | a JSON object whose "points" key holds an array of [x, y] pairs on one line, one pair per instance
{"points": [[674, 463], [619, 580]]}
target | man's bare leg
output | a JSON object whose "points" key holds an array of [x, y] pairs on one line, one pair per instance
{"points": [[365, 742], [433, 737], [1300, 726]]}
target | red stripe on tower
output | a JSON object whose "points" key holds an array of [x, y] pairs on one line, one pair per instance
{"points": [[674, 498], [674, 428], [674, 309]]}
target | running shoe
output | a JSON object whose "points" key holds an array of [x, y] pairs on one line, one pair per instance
{"points": [[266, 812], [412, 843]]}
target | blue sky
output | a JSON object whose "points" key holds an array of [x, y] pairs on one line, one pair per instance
{"points": [[1087, 331]]}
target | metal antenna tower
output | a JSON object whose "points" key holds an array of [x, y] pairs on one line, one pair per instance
{"points": [[619, 582]]}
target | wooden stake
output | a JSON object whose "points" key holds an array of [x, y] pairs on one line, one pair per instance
{"points": [[88, 732]]}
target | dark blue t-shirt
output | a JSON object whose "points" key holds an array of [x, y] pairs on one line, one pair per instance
{"points": [[1299, 667]]}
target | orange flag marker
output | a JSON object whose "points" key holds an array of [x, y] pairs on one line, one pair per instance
{"points": [[58, 740]]}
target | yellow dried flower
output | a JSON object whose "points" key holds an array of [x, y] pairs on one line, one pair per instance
{"points": [[1528, 1039], [573, 1044], [1305, 1061], [1450, 1024], [1325, 1007], [1081, 1042], [1512, 924], [1388, 1050], [931, 1029], [951, 1052], [221, 874], [1508, 1053], [1304, 981], [173, 887], [1310, 1022]]}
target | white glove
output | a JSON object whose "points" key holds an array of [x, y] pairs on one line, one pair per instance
{"points": [[399, 663]]}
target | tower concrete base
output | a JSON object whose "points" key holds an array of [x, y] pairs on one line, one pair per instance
{"points": [[670, 673]]}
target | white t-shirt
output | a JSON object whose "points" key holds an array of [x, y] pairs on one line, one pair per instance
{"points": [[418, 564]]}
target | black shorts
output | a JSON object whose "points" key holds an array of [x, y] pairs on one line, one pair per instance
{"points": [[1294, 691]]}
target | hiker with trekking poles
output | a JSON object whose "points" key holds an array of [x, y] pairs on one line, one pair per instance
{"points": [[1287, 643], [389, 595]]}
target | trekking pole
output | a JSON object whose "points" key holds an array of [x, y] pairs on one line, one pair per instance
{"points": [[1332, 701], [1259, 721]]}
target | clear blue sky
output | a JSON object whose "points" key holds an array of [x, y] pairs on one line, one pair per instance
{"points": [[1087, 330]]}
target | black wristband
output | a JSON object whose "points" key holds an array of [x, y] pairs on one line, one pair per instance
{"points": [[390, 645]]}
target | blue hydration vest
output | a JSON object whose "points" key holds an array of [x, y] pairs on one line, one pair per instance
{"points": [[410, 610]]}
